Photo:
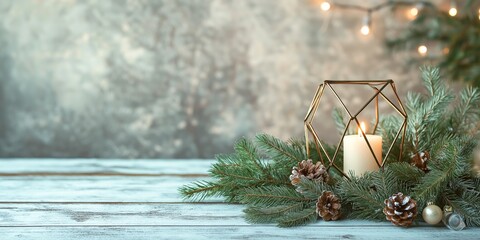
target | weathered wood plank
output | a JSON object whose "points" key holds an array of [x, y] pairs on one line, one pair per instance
{"points": [[41, 214], [92, 189], [69, 167], [232, 232], [138, 199]]}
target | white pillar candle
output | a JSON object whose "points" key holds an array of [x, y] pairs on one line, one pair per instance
{"points": [[357, 157]]}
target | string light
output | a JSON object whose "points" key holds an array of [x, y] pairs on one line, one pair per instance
{"points": [[414, 11], [422, 50], [325, 6], [452, 12], [453, 9], [365, 30]]}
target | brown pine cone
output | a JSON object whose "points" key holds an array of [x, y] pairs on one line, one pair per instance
{"points": [[400, 210], [306, 168], [328, 206], [420, 160]]}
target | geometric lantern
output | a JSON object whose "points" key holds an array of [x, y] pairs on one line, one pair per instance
{"points": [[378, 87]]}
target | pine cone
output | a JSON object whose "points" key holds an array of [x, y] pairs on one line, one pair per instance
{"points": [[420, 160], [306, 168], [400, 210], [328, 206]]}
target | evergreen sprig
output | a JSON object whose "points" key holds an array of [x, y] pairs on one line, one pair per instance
{"points": [[439, 121], [302, 217], [271, 196]]}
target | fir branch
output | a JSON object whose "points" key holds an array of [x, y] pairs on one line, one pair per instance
{"points": [[467, 111], [431, 79], [234, 173], [425, 121], [303, 217], [431, 186], [272, 214], [280, 150], [227, 160], [360, 194], [460, 148], [297, 144], [200, 190], [470, 100], [242, 168], [469, 184], [386, 184], [405, 172], [413, 101], [476, 182], [367, 194], [270, 196], [434, 108], [311, 189], [437, 147], [447, 167], [247, 151], [284, 155]]}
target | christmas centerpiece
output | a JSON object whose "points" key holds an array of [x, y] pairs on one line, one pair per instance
{"points": [[417, 165]]}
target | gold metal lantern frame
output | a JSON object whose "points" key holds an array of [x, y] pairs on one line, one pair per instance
{"points": [[378, 86]]}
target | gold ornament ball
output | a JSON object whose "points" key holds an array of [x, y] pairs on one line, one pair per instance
{"points": [[432, 214]]}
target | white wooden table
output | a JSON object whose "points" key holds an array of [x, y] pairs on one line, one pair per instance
{"points": [[138, 199]]}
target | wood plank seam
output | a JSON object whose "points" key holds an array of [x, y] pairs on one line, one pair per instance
{"points": [[194, 225], [117, 203], [100, 174]]}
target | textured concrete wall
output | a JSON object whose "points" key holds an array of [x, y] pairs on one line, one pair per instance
{"points": [[153, 79]]}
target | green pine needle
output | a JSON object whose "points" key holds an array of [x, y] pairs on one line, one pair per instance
{"points": [[271, 214], [271, 196], [431, 79], [359, 193], [200, 190], [279, 151], [311, 189], [406, 173], [303, 217]]}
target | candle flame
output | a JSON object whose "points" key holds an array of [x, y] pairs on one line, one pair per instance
{"points": [[362, 129]]}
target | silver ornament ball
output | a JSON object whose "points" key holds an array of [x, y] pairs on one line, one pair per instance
{"points": [[432, 214]]}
